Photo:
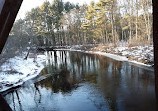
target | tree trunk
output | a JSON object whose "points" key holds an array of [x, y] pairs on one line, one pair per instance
{"points": [[136, 19]]}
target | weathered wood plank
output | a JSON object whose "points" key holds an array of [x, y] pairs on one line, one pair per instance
{"points": [[8, 13], [1, 5], [155, 41], [9, 10]]}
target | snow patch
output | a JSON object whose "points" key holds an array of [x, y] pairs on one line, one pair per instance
{"points": [[20, 71], [138, 53]]}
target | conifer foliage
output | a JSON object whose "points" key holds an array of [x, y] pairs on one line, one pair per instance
{"points": [[103, 22]]}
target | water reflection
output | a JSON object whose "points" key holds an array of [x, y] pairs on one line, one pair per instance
{"points": [[58, 82], [83, 82]]}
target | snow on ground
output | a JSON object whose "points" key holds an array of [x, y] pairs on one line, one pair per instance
{"points": [[17, 70], [142, 54]]}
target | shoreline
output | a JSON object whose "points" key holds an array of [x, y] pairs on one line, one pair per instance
{"points": [[23, 73], [19, 65], [115, 57], [110, 55]]}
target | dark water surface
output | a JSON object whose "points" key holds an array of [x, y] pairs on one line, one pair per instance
{"points": [[73, 81]]}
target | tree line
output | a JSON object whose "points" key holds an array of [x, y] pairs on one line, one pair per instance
{"points": [[103, 22]]}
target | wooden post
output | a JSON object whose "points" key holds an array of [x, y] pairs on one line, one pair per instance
{"points": [[8, 12], [155, 41]]}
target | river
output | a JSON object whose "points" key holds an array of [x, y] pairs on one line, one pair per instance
{"points": [[75, 81]]}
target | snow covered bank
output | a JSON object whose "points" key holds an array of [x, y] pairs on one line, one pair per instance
{"points": [[118, 58], [16, 71], [113, 56], [142, 55]]}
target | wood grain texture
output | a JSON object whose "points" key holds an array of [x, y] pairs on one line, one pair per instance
{"points": [[9, 10]]}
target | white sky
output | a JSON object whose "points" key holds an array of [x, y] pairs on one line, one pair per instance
{"points": [[27, 5]]}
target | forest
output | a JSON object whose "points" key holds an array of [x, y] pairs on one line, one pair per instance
{"points": [[65, 24]]}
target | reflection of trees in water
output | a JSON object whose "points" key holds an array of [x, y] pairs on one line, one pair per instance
{"points": [[19, 101], [115, 79], [18, 97], [13, 101], [37, 91], [79, 64], [111, 76], [125, 82], [66, 76], [92, 78], [86, 67], [137, 78], [59, 82], [109, 80], [16, 100]]}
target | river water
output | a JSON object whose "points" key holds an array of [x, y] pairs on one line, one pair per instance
{"points": [[74, 81]]}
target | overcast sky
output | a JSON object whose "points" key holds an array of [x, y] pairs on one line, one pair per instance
{"points": [[27, 5]]}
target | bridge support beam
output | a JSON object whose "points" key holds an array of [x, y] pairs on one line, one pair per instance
{"points": [[155, 41], [8, 12]]}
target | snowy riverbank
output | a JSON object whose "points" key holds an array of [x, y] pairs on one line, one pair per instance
{"points": [[142, 55], [16, 71]]}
